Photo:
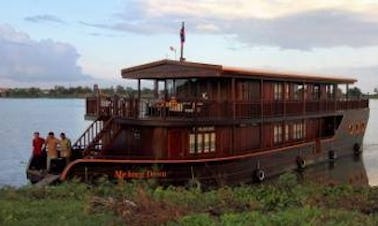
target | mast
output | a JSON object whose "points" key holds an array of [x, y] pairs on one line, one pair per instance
{"points": [[182, 39]]}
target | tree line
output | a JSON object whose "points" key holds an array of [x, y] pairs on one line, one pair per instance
{"points": [[85, 91], [69, 92]]}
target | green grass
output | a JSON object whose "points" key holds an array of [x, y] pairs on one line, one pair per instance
{"points": [[285, 202]]}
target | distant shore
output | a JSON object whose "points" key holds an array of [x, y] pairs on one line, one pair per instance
{"points": [[81, 92], [64, 92]]}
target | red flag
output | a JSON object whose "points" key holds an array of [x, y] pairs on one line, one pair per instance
{"points": [[182, 33]]}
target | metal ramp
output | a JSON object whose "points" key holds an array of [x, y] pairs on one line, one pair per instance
{"points": [[48, 179]]}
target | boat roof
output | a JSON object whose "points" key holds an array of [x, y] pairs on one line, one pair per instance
{"points": [[170, 69]]}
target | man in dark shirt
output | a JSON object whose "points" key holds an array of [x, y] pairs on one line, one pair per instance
{"points": [[38, 144]]}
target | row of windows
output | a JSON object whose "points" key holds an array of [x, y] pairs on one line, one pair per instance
{"points": [[204, 142], [281, 90], [294, 131]]}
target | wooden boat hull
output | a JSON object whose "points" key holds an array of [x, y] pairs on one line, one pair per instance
{"points": [[245, 168]]}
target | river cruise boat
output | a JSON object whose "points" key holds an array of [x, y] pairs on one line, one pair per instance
{"points": [[216, 125]]}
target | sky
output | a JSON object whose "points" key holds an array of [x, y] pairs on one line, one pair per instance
{"points": [[45, 43]]}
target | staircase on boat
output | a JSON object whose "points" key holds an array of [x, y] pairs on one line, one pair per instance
{"points": [[97, 138]]}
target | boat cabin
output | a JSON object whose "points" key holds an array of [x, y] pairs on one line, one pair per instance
{"points": [[184, 110]]}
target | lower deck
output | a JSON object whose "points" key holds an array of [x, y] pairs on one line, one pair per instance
{"points": [[216, 141]]}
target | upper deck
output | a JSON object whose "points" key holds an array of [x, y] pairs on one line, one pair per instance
{"points": [[196, 91], [170, 69]]}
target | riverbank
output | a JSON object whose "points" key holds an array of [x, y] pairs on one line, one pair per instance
{"points": [[286, 202]]}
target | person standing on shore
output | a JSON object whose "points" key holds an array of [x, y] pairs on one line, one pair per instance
{"points": [[52, 148], [38, 143], [65, 147]]}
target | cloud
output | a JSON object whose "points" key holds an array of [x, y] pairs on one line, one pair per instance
{"points": [[244, 9], [25, 60], [44, 18], [315, 29], [285, 24]]}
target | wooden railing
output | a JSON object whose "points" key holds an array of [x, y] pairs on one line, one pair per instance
{"points": [[189, 108], [88, 135]]}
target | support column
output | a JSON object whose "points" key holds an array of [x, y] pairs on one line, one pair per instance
{"points": [[304, 98], [233, 113], [285, 84], [347, 96], [262, 141], [165, 99], [156, 89], [334, 93], [174, 93], [233, 98], [137, 104], [218, 102]]}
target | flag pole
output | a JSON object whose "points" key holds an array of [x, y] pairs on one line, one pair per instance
{"points": [[182, 39]]}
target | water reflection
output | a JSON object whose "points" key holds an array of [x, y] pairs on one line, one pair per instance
{"points": [[346, 170]]}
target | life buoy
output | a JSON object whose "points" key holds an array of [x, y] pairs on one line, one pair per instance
{"points": [[332, 155], [259, 175], [301, 163], [357, 149]]}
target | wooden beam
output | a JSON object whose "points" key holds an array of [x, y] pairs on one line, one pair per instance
{"points": [[233, 98], [136, 108]]}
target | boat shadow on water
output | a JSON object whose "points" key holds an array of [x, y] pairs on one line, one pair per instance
{"points": [[345, 170]]}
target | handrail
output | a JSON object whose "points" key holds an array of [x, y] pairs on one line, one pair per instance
{"points": [[97, 136], [95, 125], [201, 108], [108, 125]]}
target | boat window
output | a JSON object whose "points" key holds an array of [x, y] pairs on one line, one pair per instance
{"points": [[297, 91], [287, 91], [304, 91], [203, 141], [206, 147], [298, 130], [277, 89], [192, 144], [161, 90], [171, 91], [330, 90], [316, 92], [247, 90], [204, 89], [277, 131], [286, 132], [183, 88], [304, 129], [212, 142], [199, 143]]}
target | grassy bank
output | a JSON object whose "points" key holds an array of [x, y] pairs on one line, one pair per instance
{"points": [[286, 202]]}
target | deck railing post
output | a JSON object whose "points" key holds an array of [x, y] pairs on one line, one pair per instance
{"points": [[233, 98], [303, 99], [136, 105], [347, 96], [284, 98]]}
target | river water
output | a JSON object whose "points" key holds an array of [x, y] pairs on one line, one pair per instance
{"points": [[19, 118]]}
